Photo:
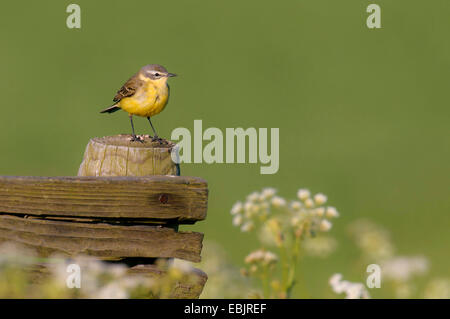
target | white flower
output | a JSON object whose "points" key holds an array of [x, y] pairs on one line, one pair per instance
{"points": [[373, 240], [325, 225], [267, 193], [331, 212], [248, 206], [118, 270], [352, 290], [262, 256], [253, 197], [277, 201], [182, 265], [303, 194], [320, 199], [237, 220], [309, 203], [254, 256], [237, 208], [403, 268], [296, 205], [335, 283], [270, 257], [357, 291], [319, 212], [112, 291], [251, 209], [248, 226], [295, 220]]}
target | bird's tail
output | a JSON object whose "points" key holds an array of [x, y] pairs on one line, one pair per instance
{"points": [[111, 109]]}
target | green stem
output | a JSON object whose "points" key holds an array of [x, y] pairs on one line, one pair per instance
{"points": [[265, 282], [292, 270], [284, 268]]}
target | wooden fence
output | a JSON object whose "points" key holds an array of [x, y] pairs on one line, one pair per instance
{"points": [[121, 207]]}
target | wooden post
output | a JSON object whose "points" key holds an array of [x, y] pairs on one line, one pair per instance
{"points": [[125, 205], [117, 156]]}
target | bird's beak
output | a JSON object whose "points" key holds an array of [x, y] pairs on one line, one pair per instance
{"points": [[171, 75]]}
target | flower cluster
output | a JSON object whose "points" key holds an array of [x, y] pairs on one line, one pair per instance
{"points": [[398, 272], [256, 209], [260, 262], [307, 214], [285, 225], [261, 257], [373, 240], [352, 290], [310, 214], [99, 279], [403, 268]]}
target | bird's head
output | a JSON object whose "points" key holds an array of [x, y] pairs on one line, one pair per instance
{"points": [[155, 73]]}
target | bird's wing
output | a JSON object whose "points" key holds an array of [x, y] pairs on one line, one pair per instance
{"points": [[129, 88]]}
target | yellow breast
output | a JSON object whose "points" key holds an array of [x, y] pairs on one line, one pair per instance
{"points": [[148, 100]]}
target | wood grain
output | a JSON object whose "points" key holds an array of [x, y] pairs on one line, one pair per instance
{"points": [[101, 240], [110, 211], [183, 289], [117, 156], [175, 198]]}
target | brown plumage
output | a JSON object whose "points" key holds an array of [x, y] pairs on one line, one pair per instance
{"points": [[128, 89], [145, 94]]}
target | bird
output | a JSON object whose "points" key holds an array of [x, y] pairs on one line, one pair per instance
{"points": [[145, 94]]}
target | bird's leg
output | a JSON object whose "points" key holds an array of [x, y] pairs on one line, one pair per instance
{"points": [[134, 138], [155, 136]]}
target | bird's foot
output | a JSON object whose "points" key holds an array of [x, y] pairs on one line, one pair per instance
{"points": [[156, 138], [135, 138]]}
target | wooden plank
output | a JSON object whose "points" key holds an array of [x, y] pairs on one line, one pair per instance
{"points": [[183, 289], [179, 198], [101, 240]]}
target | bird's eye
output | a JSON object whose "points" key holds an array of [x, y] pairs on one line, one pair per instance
{"points": [[156, 74]]}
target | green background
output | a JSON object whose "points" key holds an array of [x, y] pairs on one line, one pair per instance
{"points": [[363, 114]]}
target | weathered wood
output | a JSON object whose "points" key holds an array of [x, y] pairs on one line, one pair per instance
{"points": [[101, 240], [190, 289], [182, 290], [176, 198], [110, 217], [117, 156]]}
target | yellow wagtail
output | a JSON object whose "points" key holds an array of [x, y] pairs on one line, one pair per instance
{"points": [[145, 94]]}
